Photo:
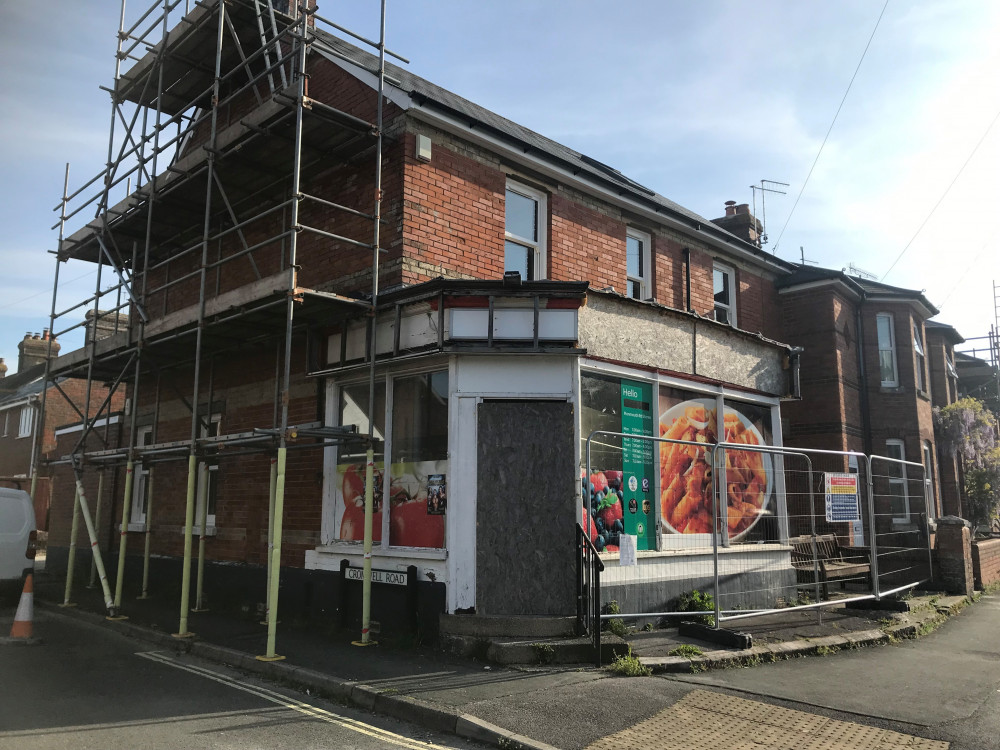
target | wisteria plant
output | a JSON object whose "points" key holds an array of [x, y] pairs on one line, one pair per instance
{"points": [[968, 429]]}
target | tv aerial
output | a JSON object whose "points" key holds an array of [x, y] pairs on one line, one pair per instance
{"points": [[861, 273], [765, 187]]}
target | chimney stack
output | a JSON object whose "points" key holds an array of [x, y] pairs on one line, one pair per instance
{"points": [[34, 349], [108, 324], [740, 222], [3, 368]]}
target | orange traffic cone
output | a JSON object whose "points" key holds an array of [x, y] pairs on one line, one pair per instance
{"points": [[25, 612]]}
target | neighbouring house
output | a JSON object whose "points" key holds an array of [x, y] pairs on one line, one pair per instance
{"points": [[528, 295], [945, 389]]}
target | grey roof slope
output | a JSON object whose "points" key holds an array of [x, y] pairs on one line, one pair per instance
{"points": [[865, 287], [423, 91], [22, 384]]}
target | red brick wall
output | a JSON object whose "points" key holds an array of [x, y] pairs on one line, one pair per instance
{"points": [[986, 562]]}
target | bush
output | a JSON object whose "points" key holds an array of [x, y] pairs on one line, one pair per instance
{"points": [[628, 665], [697, 601]]}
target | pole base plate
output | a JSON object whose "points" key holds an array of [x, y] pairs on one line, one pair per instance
{"points": [[364, 643], [116, 618], [276, 657], [188, 634]]}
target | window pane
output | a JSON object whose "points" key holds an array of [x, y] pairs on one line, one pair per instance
{"points": [[884, 323], [887, 367], [519, 258], [633, 257], [722, 314], [721, 283], [419, 466], [522, 216], [634, 289], [354, 410]]}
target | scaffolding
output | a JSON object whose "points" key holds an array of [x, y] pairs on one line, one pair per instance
{"points": [[198, 221]]}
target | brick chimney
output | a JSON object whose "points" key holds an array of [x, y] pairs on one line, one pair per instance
{"points": [[33, 350], [740, 222], [108, 324], [3, 368]]}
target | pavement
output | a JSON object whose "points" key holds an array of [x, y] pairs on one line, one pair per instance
{"points": [[549, 706]]}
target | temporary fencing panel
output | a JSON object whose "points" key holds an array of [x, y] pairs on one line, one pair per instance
{"points": [[758, 528]]}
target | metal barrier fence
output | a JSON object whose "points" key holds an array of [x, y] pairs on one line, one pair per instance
{"points": [[794, 528]]}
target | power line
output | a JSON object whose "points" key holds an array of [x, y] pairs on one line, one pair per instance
{"points": [[39, 294], [944, 194], [830, 130]]}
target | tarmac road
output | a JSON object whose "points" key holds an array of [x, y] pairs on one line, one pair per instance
{"points": [[86, 687]]}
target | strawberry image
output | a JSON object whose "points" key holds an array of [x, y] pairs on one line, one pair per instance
{"points": [[609, 510], [588, 523], [600, 481]]}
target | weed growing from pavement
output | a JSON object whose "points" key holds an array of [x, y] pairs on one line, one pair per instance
{"points": [[648, 627], [544, 652], [685, 649], [628, 665], [826, 650], [615, 626]]}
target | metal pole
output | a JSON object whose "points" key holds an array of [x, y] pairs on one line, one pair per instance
{"points": [[97, 523], [716, 532], [871, 521], [95, 550], [271, 491], [370, 467], [203, 523], [123, 535], [206, 233], [149, 526], [279, 487], [71, 561]]}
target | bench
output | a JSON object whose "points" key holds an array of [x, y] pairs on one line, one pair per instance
{"points": [[833, 562]]}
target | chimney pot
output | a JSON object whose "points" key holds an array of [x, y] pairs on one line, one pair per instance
{"points": [[730, 208], [743, 208]]}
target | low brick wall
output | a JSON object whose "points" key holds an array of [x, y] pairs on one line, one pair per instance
{"points": [[986, 562]]}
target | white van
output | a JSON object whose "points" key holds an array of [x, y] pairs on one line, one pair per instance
{"points": [[17, 537]]}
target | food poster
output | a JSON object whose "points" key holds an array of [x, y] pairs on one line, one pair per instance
{"points": [[349, 502], [686, 476], [418, 501], [610, 508]]}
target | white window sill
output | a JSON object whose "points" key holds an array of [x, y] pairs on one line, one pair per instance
{"points": [[132, 526], [196, 531], [357, 548]]}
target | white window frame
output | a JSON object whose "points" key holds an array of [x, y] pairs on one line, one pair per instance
{"points": [[730, 308], [6, 422], [27, 421], [890, 346], [920, 363], [930, 486], [201, 492], [140, 481], [644, 279], [537, 245], [898, 485]]}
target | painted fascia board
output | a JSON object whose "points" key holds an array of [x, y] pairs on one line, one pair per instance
{"points": [[881, 299], [20, 402], [454, 126], [78, 427]]}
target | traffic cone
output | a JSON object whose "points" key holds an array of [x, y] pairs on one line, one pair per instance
{"points": [[25, 612]]}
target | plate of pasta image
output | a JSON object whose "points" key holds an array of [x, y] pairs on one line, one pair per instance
{"points": [[686, 475]]}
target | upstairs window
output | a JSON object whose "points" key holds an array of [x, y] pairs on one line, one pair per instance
{"points": [[140, 478], [6, 422], [524, 232], [918, 350], [637, 264], [952, 381], [27, 421], [887, 350], [724, 288], [208, 478]]}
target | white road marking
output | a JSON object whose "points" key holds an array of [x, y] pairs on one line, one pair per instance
{"points": [[286, 702]]}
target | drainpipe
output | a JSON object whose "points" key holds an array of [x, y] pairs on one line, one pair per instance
{"points": [[866, 420], [687, 279]]}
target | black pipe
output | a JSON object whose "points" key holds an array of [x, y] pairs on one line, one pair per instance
{"points": [[687, 279], [866, 422]]}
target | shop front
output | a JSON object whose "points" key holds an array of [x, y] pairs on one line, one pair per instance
{"points": [[482, 424]]}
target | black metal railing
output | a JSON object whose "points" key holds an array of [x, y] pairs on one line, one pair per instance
{"points": [[588, 590]]}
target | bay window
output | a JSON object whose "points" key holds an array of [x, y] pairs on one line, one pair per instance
{"points": [[887, 350]]}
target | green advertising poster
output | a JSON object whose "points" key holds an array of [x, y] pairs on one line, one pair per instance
{"points": [[637, 463]]}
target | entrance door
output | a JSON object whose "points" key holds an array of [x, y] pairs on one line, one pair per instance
{"points": [[525, 509]]}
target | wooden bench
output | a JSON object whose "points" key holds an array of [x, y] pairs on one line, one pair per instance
{"points": [[833, 562]]}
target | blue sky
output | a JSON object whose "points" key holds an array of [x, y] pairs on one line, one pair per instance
{"points": [[696, 100]]}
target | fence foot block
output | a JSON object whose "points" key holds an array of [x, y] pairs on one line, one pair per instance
{"points": [[722, 636]]}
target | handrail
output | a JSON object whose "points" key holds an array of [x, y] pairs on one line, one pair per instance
{"points": [[588, 607]]}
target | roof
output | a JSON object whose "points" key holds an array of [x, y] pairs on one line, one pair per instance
{"points": [[22, 384], [865, 288], [948, 331], [423, 93]]}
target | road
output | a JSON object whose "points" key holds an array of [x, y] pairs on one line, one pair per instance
{"points": [[86, 687]]}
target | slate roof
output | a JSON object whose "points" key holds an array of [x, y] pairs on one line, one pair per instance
{"points": [[424, 93], [865, 287]]}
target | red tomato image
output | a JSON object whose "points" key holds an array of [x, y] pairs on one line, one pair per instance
{"points": [[411, 525], [352, 523]]}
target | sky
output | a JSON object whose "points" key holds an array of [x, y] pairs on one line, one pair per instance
{"points": [[697, 101]]}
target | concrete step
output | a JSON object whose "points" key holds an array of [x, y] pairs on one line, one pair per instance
{"points": [[506, 626], [554, 650]]}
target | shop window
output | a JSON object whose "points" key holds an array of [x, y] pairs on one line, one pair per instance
{"points": [[899, 501], [887, 350], [638, 264], [724, 289], [930, 491], [27, 421], [140, 478], [524, 231], [349, 491], [418, 494]]}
